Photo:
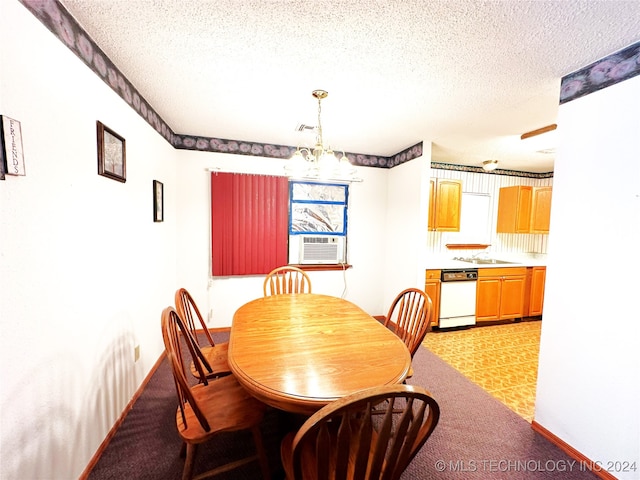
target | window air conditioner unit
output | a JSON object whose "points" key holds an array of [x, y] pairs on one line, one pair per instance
{"points": [[321, 249]]}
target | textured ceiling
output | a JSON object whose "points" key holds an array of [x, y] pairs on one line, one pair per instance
{"points": [[468, 75]]}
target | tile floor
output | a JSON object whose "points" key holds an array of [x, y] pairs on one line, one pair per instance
{"points": [[502, 359]]}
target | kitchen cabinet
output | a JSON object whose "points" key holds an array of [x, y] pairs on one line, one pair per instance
{"points": [[534, 291], [540, 209], [444, 205], [500, 293], [514, 209], [432, 288], [524, 209]]}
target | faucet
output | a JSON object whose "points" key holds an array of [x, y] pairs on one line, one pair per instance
{"points": [[483, 253]]}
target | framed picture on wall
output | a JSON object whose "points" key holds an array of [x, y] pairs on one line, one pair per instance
{"points": [[112, 160], [2, 163], [158, 201], [11, 154]]}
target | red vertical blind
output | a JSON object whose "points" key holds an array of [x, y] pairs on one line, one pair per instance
{"points": [[249, 223]]}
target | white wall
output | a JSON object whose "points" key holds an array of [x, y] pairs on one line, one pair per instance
{"points": [[589, 375], [405, 238], [84, 271]]}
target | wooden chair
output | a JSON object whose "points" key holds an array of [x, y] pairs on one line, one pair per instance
{"points": [[286, 279], [353, 439], [209, 408], [216, 354], [410, 317]]}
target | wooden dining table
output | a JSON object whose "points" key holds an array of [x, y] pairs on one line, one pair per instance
{"points": [[298, 352]]}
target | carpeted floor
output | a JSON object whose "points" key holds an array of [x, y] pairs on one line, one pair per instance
{"points": [[477, 438], [502, 359]]}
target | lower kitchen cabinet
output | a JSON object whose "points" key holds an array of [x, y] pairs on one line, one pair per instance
{"points": [[500, 293], [432, 288], [534, 293]]}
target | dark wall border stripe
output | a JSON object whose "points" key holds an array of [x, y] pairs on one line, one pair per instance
{"points": [[238, 147], [497, 171], [607, 71], [58, 20]]}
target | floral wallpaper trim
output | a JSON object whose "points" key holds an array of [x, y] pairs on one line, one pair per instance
{"points": [[497, 171], [607, 71], [62, 24], [58, 20], [238, 147]]}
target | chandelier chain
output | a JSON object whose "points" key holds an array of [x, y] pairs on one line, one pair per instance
{"points": [[319, 136]]}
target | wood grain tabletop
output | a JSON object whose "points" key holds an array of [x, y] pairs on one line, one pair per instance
{"points": [[298, 352]]}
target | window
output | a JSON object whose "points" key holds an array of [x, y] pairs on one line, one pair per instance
{"points": [[260, 222], [317, 222]]}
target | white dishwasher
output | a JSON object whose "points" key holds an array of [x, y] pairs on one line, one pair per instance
{"points": [[458, 298]]}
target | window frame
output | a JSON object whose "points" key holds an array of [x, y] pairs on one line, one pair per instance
{"points": [[293, 235], [344, 203]]}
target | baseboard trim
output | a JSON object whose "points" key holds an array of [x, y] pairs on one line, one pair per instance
{"points": [[105, 443], [217, 329], [586, 464], [103, 446]]}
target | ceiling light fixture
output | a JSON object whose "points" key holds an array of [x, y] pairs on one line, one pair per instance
{"points": [[320, 163], [489, 165]]}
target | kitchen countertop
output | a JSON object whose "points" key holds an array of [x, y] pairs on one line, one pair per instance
{"points": [[519, 260]]}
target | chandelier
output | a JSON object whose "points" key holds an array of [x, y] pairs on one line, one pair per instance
{"points": [[320, 162]]}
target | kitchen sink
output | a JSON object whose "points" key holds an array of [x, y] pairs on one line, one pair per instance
{"points": [[489, 261], [484, 261]]}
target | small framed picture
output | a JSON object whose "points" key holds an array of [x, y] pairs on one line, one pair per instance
{"points": [[11, 154], [112, 159], [158, 201]]}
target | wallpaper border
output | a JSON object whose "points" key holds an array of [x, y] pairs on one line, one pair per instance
{"points": [[497, 171], [612, 69]]}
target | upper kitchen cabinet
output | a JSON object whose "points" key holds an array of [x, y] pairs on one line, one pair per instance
{"points": [[541, 210], [514, 209], [524, 209], [444, 205]]}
